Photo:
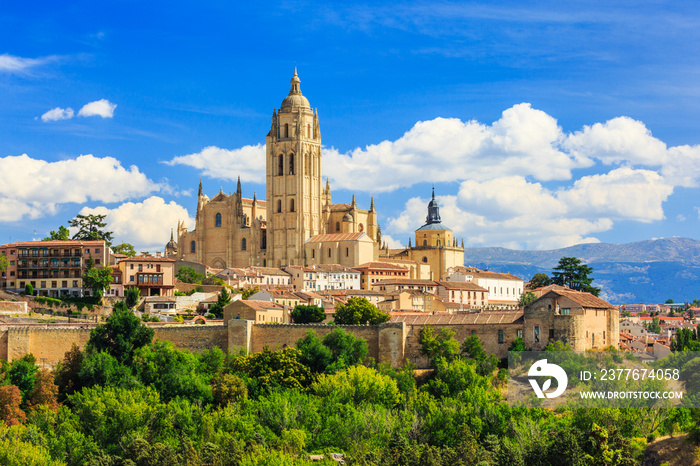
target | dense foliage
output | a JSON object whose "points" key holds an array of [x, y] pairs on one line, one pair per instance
{"points": [[307, 314], [571, 272], [359, 311], [131, 401]]}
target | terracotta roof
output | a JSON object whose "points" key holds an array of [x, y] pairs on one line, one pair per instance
{"points": [[357, 293], [381, 266], [584, 299], [460, 286], [490, 317], [269, 271], [245, 200], [494, 275], [39, 244], [335, 237], [147, 259], [330, 268], [405, 281], [160, 299], [340, 207], [666, 318], [262, 305]]}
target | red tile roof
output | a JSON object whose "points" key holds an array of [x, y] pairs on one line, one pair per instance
{"points": [[335, 237], [489, 317]]}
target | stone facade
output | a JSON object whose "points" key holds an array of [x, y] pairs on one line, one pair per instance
{"points": [[232, 231]]}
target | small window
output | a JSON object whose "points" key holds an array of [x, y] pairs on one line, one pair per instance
{"points": [[337, 226], [425, 259], [218, 220], [347, 252], [291, 205], [565, 311], [193, 247], [501, 337], [536, 333], [279, 205], [551, 334], [243, 244], [291, 164], [329, 252], [519, 333], [425, 242], [313, 253], [280, 166]]}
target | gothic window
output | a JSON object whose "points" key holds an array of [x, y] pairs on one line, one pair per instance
{"points": [[291, 205], [291, 164], [280, 165], [279, 205], [308, 131], [218, 219], [243, 244], [286, 130], [193, 247], [337, 226], [264, 240], [307, 162]]}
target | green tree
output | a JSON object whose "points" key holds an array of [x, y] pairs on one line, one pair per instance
{"points": [[10, 399], [574, 274], [91, 228], [338, 349], [526, 298], [438, 345], [131, 296], [228, 388], [121, 335], [218, 308], [359, 311], [97, 279], [124, 248], [654, 326], [189, 275], [358, 384], [248, 292], [472, 348], [4, 262], [22, 373], [63, 234], [303, 314], [269, 369], [670, 301], [540, 279], [29, 289]]}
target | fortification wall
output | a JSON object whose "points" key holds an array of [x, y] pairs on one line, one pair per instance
{"points": [[194, 337], [13, 307]]}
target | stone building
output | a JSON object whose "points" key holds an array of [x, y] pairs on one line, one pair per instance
{"points": [[579, 319], [298, 224], [435, 245]]}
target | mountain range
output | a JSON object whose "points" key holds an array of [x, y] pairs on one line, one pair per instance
{"points": [[650, 271]]}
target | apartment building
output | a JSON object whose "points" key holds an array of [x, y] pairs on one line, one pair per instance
{"points": [[153, 276], [53, 268]]}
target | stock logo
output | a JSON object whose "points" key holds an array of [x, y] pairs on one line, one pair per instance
{"points": [[543, 369]]}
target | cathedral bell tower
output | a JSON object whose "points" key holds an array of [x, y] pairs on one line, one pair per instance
{"points": [[293, 178]]}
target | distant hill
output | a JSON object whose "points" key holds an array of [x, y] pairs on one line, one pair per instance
{"points": [[642, 272]]}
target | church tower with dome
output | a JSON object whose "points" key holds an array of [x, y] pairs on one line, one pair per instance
{"points": [[293, 177], [297, 224]]}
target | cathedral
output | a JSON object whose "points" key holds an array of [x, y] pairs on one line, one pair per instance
{"points": [[297, 224]]}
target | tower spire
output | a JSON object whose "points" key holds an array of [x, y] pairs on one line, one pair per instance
{"points": [[238, 186], [371, 205], [200, 188], [295, 83], [354, 203], [433, 211]]}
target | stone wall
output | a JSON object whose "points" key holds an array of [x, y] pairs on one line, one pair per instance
{"points": [[13, 307]]}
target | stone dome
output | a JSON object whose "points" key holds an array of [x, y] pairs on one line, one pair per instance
{"points": [[348, 217], [294, 100]]}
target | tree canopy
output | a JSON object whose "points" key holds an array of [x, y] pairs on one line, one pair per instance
{"points": [[63, 234], [359, 311], [189, 275], [540, 279], [574, 274], [124, 248], [96, 279], [121, 335], [91, 227], [303, 314], [4, 262]]}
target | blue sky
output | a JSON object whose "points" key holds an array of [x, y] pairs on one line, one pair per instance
{"points": [[541, 125]]}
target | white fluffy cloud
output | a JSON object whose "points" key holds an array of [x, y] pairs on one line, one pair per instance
{"points": [[37, 187], [58, 113], [248, 162], [144, 224], [103, 108], [512, 212]]}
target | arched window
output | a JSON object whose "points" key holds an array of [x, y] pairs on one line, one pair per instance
{"points": [[308, 131], [193, 247], [347, 252], [280, 165], [279, 205], [361, 228], [337, 226], [286, 130], [243, 244], [264, 240], [291, 205], [425, 242], [313, 254], [291, 164], [218, 220], [425, 259], [329, 252]]}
